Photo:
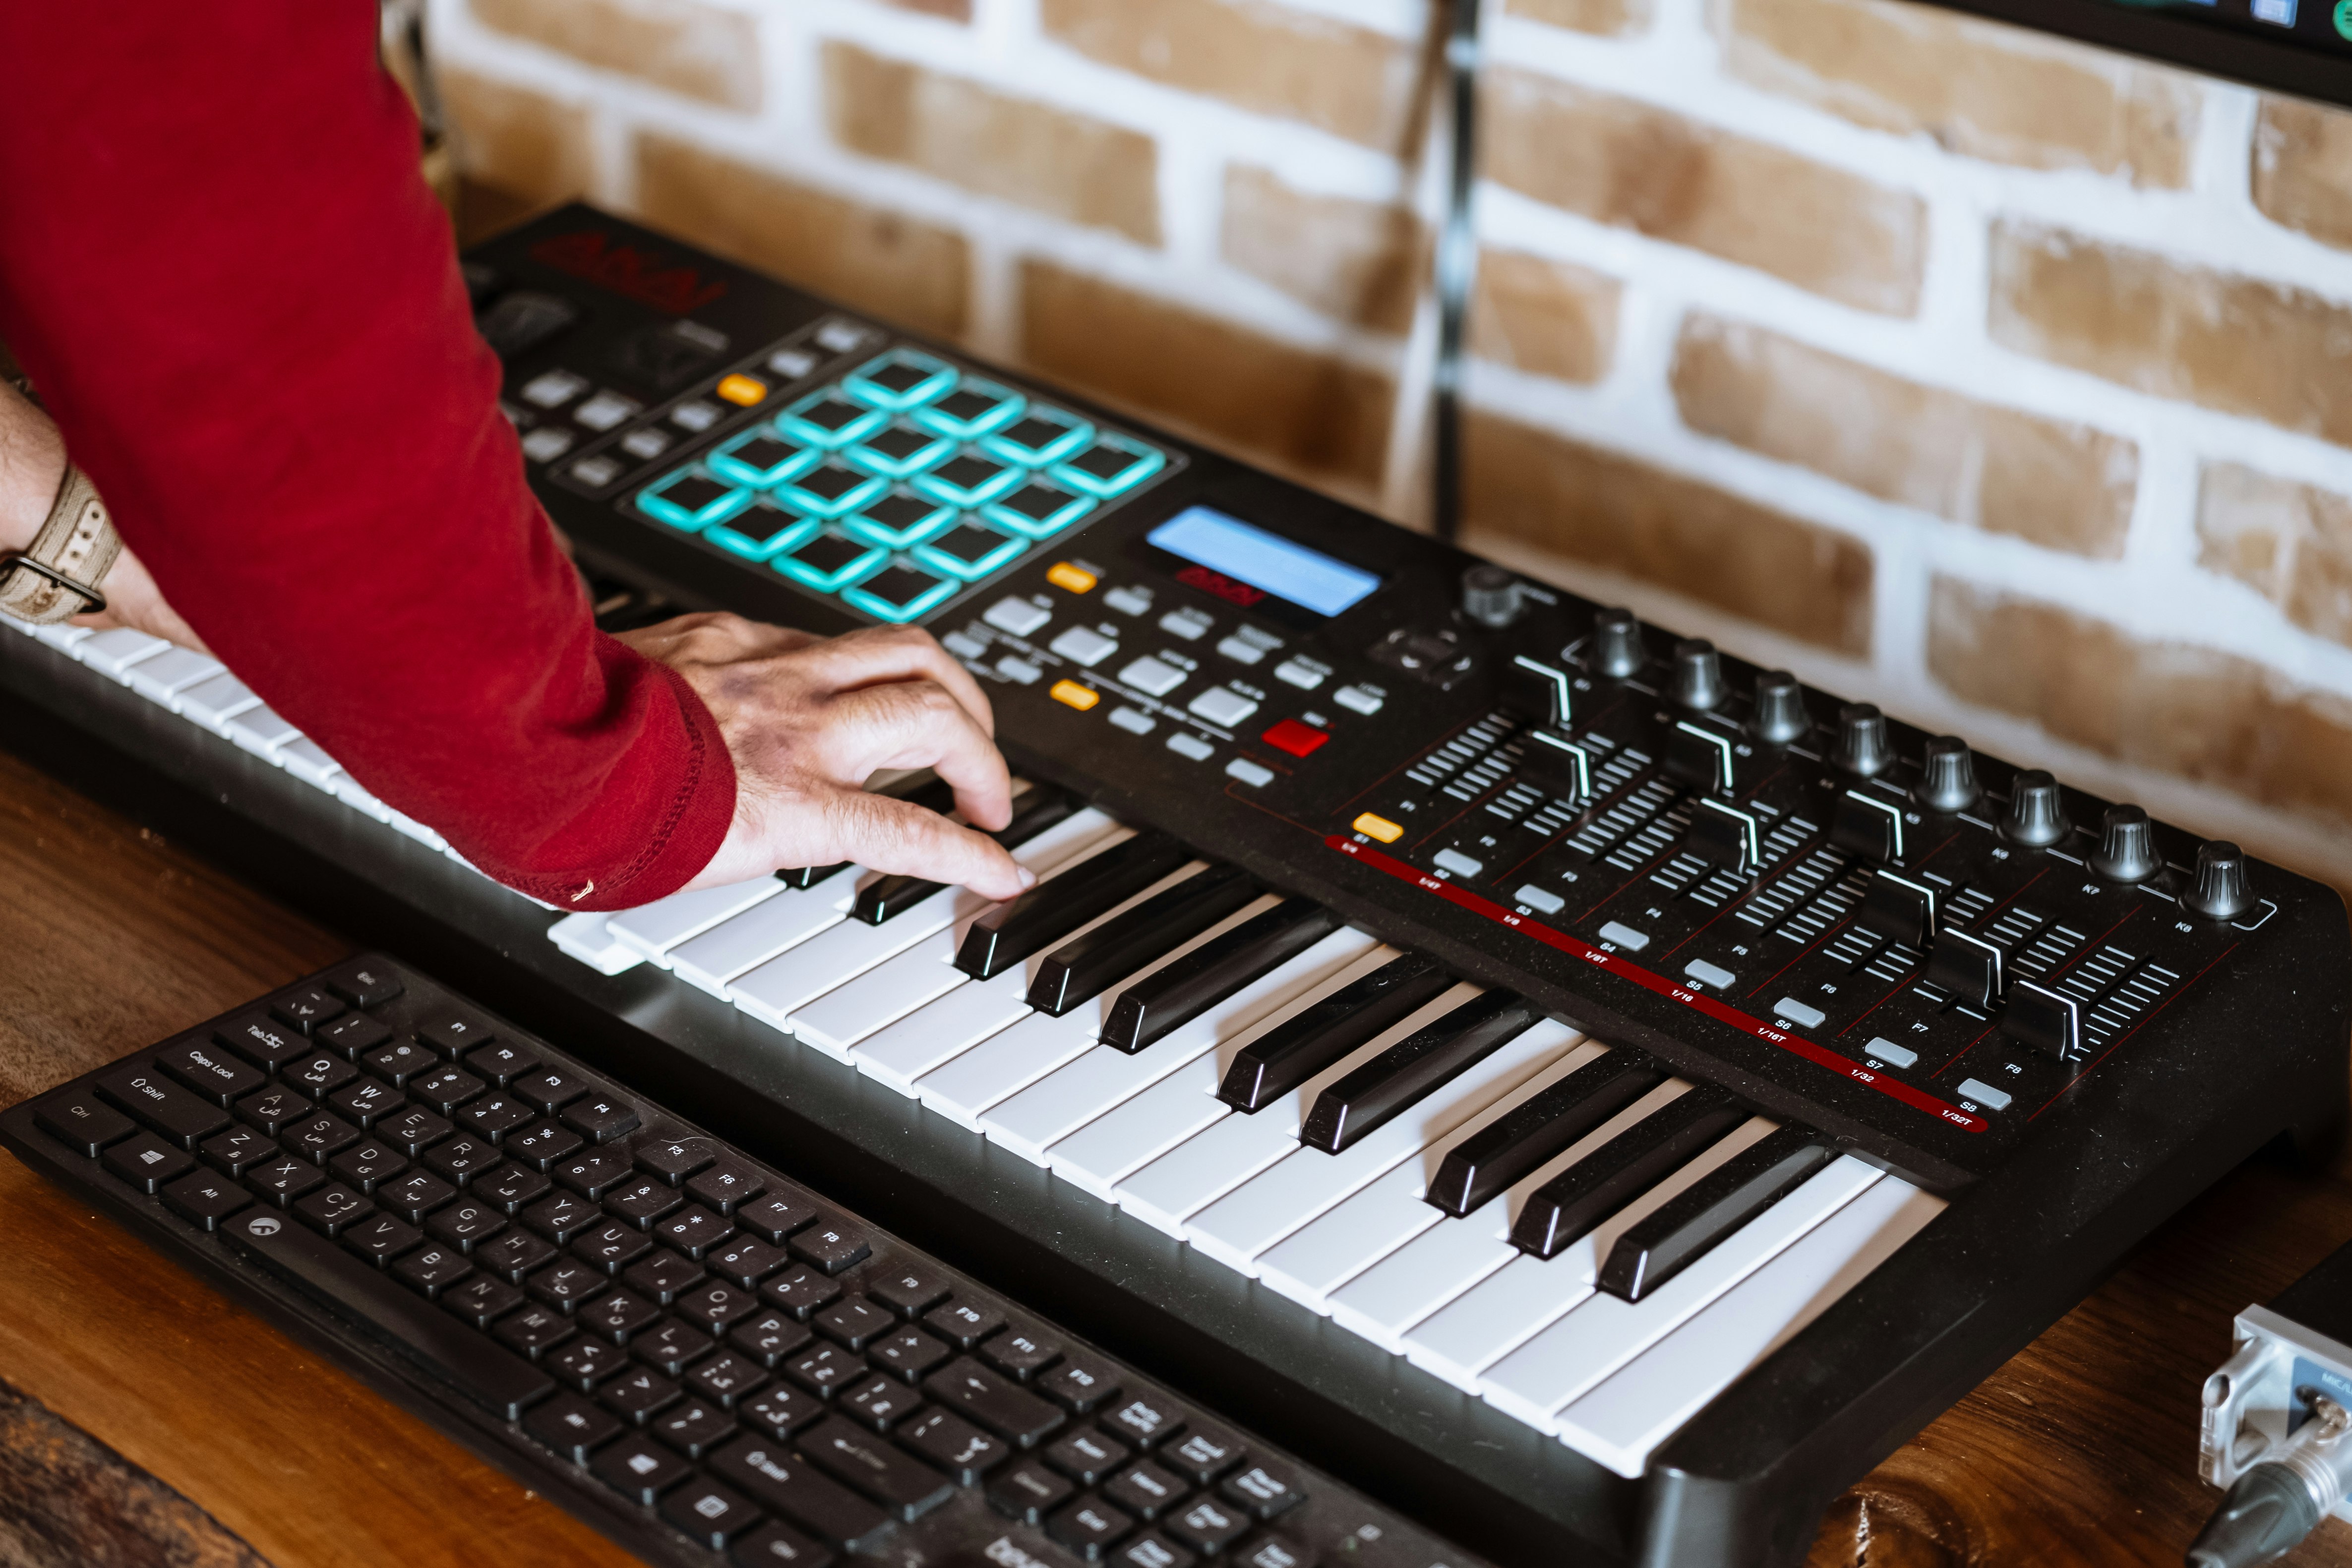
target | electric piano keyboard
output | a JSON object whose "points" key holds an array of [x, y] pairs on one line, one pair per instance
{"points": [[1593, 1093]]}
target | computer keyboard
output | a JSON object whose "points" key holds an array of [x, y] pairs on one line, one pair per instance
{"points": [[697, 1355]]}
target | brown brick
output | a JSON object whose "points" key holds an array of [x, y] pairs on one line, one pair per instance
{"points": [[1545, 317], [701, 51], [898, 267], [2303, 168], [1978, 87], [1624, 163], [1299, 407], [2203, 715], [2059, 484], [1070, 165], [1359, 261], [523, 142], [2230, 343], [1612, 510], [1346, 79], [1603, 16], [2291, 542], [954, 10]]}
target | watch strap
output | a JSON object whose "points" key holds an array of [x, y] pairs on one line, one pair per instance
{"points": [[56, 576]]}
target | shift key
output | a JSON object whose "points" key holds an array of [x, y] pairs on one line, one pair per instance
{"points": [[177, 1114], [997, 1403]]}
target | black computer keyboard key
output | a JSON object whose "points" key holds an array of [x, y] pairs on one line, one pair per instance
{"points": [[447, 1349], [1146, 1423], [1077, 1385], [673, 1160], [1092, 963], [1086, 1456], [400, 1061], [1174, 996], [947, 1442], [352, 1036], [997, 1403], [566, 1282], [262, 1040], [1265, 1490], [670, 1347], [1089, 1527], [907, 1290], [235, 1152], [1203, 1453], [432, 1268], [1567, 1207], [616, 1315], [776, 1544], [1020, 1355], [801, 1290], [500, 1063], [572, 1427], [559, 1216], [464, 1158], [1146, 1490], [1375, 1093], [907, 1354], [726, 1377], [454, 1033], [781, 1482], [611, 1247], [282, 1179], [543, 1145], [368, 1163], [272, 1109], [601, 1118], [145, 1161], [305, 1008], [481, 1301], [445, 1088], [549, 1090], [206, 1197], [464, 1226], [1319, 1036], [780, 1410], [878, 1402], [830, 1246], [211, 1072], [331, 1210], [1028, 1491], [1207, 1525], [514, 1256], [693, 1230], [637, 1393], [495, 1115], [824, 1369], [854, 1322], [320, 1074], [775, 1218], [379, 1239], [318, 1137], [638, 1468], [641, 1201], [82, 1123], [963, 1324], [769, 1336], [726, 1185], [695, 1428], [1151, 1550], [364, 982], [661, 1277], [1271, 1551], [362, 1102], [592, 1175], [707, 1513], [715, 1306], [1029, 924], [1682, 1230], [179, 1115], [415, 1196], [890, 1476]]}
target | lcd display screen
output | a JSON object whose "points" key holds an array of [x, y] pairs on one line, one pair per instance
{"points": [[1245, 553]]}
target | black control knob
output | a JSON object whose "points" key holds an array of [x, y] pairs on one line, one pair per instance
{"points": [[2221, 893], [1779, 717], [1490, 595], [1698, 674], [1617, 650], [2036, 816], [2126, 851], [1862, 741], [1950, 781]]}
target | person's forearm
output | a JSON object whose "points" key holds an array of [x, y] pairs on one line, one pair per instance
{"points": [[32, 462]]}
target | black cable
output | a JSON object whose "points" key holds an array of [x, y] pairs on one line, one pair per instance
{"points": [[1457, 266]]}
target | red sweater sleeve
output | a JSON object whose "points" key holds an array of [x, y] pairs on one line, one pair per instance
{"points": [[220, 266]]}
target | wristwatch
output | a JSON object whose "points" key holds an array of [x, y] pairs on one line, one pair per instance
{"points": [[57, 575]]}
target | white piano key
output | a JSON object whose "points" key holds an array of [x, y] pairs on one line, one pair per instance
{"points": [[882, 995], [1356, 1232], [654, 929], [1626, 1419], [901, 1053], [586, 937], [748, 938], [1604, 1333], [353, 793], [309, 762], [13, 624], [214, 702], [1262, 1211], [1140, 1130], [263, 732], [417, 830], [1067, 1098], [800, 975], [63, 637], [112, 653], [163, 677], [1500, 1313]]}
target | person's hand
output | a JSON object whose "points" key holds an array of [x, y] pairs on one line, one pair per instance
{"points": [[809, 720], [32, 462]]}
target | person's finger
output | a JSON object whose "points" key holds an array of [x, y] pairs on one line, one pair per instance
{"points": [[918, 724], [894, 835], [874, 656]]}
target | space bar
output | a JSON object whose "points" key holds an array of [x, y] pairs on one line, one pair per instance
{"points": [[476, 1367]]}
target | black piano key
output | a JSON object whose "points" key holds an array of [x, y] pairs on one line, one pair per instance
{"points": [[1662, 1244], [929, 792], [1479, 1167], [1567, 1207], [1284, 1057], [1175, 995], [1046, 913], [1085, 966], [1035, 811], [1413, 1067]]}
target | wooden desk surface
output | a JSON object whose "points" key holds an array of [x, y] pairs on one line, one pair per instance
{"points": [[2081, 1450]]}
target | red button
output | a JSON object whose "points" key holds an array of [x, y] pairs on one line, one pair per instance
{"points": [[1296, 738]]}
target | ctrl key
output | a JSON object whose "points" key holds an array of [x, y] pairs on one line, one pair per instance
{"points": [[146, 1161], [82, 1123]]}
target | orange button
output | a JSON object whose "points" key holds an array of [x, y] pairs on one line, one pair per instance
{"points": [[1379, 828], [1077, 579], [1299, 740], [743, 389], [1078, 697]]}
